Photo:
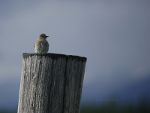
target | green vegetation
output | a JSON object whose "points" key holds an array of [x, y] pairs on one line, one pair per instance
{"points": [[111, 107], [7, 111]]}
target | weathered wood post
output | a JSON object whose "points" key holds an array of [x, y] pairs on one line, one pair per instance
{"points": [[51, 83]]}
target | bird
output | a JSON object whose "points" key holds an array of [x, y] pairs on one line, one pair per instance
{"points": [[41, 45]]}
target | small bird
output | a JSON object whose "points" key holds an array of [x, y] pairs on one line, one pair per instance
{"points": [[41, 46]]}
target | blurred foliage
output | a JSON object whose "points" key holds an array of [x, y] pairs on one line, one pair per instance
{"points": [[111, 107], [8, 111]]}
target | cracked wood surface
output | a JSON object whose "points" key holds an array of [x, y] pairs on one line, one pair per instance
{"points": [[51, 83]]}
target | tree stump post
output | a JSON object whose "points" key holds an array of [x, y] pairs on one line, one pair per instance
{"points": [[51, 83]]}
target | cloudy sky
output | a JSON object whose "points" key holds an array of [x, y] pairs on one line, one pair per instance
{"points": [[114, 35]]}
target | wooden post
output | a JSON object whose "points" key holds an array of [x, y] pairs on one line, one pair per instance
{"points": [[51, 83]]}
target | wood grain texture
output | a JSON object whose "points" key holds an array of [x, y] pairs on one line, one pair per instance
{"points": [[51, 83]]}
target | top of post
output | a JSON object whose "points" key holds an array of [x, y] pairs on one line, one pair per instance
{"points": [[54, 55]]}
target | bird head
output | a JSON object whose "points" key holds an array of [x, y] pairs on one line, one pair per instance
{"points": [[43, 36]]}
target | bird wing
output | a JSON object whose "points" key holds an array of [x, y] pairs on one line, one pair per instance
{"points": [[40, 44], [46, 46]]}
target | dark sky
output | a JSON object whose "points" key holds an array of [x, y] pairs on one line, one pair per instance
{"points": [[113, 34]]}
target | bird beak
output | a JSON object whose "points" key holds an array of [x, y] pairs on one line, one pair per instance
{"points": [[47, 36]]}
